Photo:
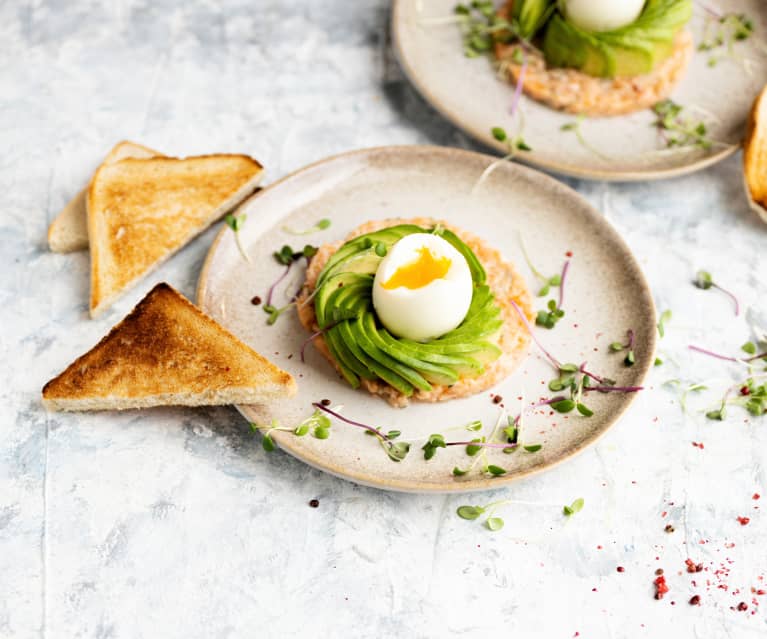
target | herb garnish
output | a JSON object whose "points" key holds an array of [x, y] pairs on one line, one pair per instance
{"points": [[317, 423], [397, 451], [493, 523], [617, 347], [679, 130], [236, 222], [287, 257], [573, 508], [704, 281], [665, 316], [575, 127], [481, 27], [724, 30], [321, 225]]}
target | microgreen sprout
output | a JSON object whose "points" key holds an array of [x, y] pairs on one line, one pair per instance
{"points": [[665, 316], [546, 282], [679, 130], [573, 508], [481, 27], [397, 451], [549, 318], [287, 257], [236, 222], [724, 30], [321, 225], [494, 523], [617, 347], [513, 145], [575, 127], [704, 281]]}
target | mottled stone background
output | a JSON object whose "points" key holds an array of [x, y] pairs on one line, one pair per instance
{"points": [[174, 523]]}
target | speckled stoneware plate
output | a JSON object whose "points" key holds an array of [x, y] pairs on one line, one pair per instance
{"points": [[468, 92], [605, 295]]}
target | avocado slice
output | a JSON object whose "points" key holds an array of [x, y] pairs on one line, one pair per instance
{"points": [[632, 50], [433, 373], [387, 236]]}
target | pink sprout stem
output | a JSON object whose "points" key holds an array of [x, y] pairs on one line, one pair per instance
{"points": [[273, 286], [562, 283], [521, 314], [698, 349], [545, 402], [614, 389], [596, 378], [372, 429], [731, 296], [518, 88]]}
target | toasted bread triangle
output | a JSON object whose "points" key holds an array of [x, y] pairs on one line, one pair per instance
{"points": [[69, 230], [141, 211], [167, 352]]}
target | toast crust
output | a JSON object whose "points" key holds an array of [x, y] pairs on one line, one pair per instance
{"points": [[755, 155], [69, 230], [167, 352], [505, 282], [575, 92], [141, 211]]}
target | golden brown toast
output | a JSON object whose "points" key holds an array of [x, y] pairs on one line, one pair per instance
{"points": [[140, 212], [167, 352], [755, 155], [69, 230]]}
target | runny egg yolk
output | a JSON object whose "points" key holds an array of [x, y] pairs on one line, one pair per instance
{"points": [[422, 271]]}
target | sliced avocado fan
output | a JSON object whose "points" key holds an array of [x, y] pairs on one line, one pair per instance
{"points": [[362, 346], [632, 50]]}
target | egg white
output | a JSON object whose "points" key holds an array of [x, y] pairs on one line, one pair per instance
{"points": [[601, 15], [432, 310]]}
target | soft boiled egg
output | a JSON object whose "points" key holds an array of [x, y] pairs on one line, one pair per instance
{"points": [[422, 288], [601, 15]]}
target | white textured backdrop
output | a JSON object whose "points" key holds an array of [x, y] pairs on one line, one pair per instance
{"points": [[175, 523]]}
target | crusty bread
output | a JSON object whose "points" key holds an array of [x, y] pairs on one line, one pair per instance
{"points": [[755, 155], [576, 92], [167, 352], [69, 230], [140, 212]]}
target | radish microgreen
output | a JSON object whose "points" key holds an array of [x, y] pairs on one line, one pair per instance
{"points": [[618, 347], [724, 30], [236, 222], [679, 130], [319, 226], [575, 127], [494, 523], [665, 316], [704, 281]]}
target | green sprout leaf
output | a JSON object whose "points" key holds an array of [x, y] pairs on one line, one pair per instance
{"points": [[470, 512], [494, 523], [268, 443], [495, 471], [703, 280], [499, 134], [533, 448], [573, 508], [397, 451], [584, 410], [563, 406], [665, 316], [749, 347]]}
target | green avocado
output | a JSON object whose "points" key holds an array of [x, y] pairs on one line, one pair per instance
{"points": [[364, 348], [632, 50]]}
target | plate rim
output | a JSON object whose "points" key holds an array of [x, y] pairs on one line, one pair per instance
{"points": [[484, 483], [488, 140]]}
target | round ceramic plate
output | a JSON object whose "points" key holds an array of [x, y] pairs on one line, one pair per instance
{"points": [[605, 296], [468, 92]]}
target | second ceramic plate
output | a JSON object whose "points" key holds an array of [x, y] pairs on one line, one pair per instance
{"points": [[468, 92], [605, 296]]}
